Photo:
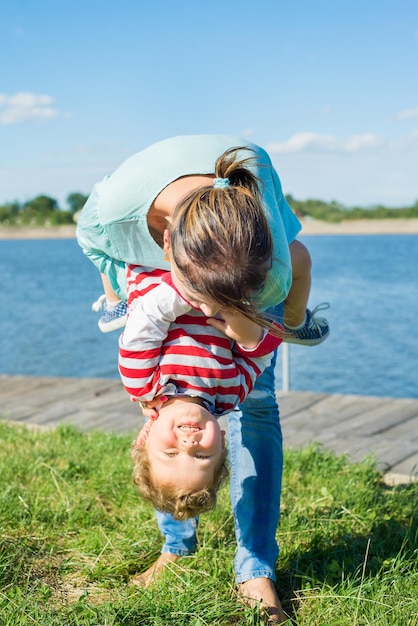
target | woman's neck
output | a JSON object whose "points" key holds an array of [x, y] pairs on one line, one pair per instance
{"points": [[162, 209]]}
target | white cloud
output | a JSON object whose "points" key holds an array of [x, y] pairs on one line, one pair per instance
{"points": [[309, 142], [247, 133], [408, 114], [24, 106], [362, 142], [302, 141]]}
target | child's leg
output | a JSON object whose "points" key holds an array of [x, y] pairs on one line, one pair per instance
{"points": [[297, 300], [113, 308], [111, 296]]}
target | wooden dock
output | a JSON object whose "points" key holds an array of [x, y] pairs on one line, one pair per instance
{"points": [[356, 425]]}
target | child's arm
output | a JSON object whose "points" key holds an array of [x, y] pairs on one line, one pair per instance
{"points": [[140, 343]]}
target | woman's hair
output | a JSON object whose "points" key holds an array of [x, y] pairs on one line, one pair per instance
{"points": [[221, 241], [169, 498]]}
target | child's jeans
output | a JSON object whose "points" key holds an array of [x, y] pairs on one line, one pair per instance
{"points": [[256, 460]]}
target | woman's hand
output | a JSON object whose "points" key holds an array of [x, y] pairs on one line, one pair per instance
{"points": [[239, 328]]}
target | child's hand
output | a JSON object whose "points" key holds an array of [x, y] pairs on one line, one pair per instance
{"points": [[239, 328], [151, 408], [149, 412]]}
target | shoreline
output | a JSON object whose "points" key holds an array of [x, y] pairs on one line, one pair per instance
{"points": [[398, 226], [395, 226]]}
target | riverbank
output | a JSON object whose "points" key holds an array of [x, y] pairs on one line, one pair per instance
{"points": [[33, 232], [397, 226], [309, 227]]}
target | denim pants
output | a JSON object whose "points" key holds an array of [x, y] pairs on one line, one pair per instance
{"points": [[256, 460]]}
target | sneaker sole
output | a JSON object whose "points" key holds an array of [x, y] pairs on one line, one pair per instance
{"points": [[109, 326], [306, 342]]}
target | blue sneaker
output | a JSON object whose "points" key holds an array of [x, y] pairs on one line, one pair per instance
{"points": [[315, 330], [113, 318]]}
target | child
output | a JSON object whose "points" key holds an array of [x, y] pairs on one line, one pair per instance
{"points": [[196, 374]]}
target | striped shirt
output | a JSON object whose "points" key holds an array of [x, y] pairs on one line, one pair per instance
{"points": [[167, 348]]}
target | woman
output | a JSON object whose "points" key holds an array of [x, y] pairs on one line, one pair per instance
{"points": [[218, 237]]}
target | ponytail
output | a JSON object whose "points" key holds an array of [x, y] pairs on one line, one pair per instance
{"points": [[220, 238]]}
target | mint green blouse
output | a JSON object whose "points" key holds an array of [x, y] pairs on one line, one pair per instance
{"points": [[112, 229]]}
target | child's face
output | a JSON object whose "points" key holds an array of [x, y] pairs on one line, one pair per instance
{"points": [[185, 445]]}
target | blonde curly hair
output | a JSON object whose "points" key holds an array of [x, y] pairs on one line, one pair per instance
{"points": [[168, 498]]}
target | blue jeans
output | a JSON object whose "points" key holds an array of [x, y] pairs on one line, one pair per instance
{"points": [[256, 460]]}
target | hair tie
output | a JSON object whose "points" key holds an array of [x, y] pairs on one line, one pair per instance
{"points": [[221, 183]]}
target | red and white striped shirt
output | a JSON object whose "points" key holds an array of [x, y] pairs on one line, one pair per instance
{"points": [[167, 348]]}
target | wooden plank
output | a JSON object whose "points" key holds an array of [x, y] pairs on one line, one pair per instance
{"points": [[329, 409], [387, 455], [382, 417], [294, 402], [407, 467], [16, 386], [365, 415], [45, 400]]}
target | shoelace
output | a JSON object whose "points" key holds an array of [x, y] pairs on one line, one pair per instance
{"points": [[98, 305], [316, 322]]}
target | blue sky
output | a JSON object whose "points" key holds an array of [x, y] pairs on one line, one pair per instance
{"points": [[328, 87]]}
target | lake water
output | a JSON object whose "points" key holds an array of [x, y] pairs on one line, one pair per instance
{"points": [[47, 327]]}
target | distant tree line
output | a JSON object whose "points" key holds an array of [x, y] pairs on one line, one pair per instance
{"points": [[41, 211], [336, 212], [45, 211]]}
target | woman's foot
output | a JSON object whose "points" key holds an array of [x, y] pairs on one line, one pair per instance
{"points": [[263, 591], [146, 578]]}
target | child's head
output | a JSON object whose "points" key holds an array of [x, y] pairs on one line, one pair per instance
{"points": [[221, 243], [180, 459]]}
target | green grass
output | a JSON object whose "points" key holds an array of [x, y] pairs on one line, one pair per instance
{"points": [[73, 531]]}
